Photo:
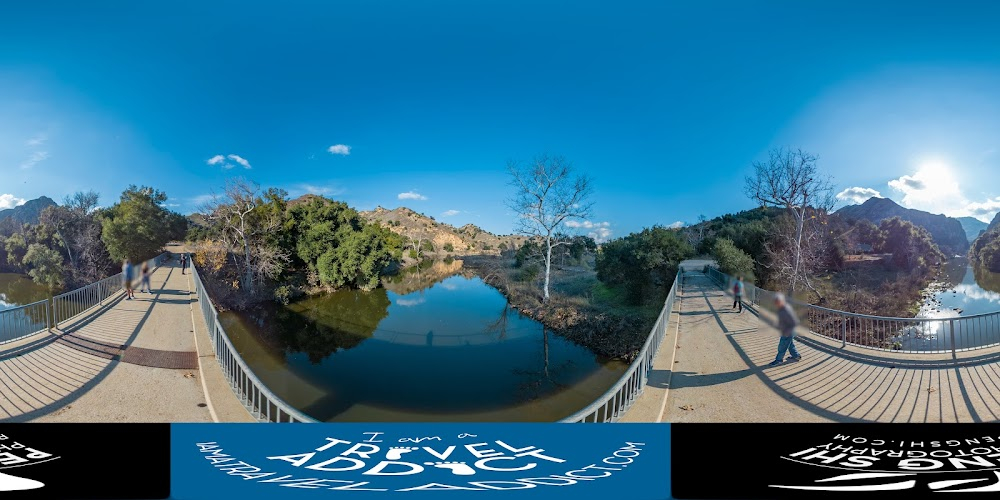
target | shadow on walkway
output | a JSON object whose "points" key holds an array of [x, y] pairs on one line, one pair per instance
{"points": [[43, 375], [824, 385]]}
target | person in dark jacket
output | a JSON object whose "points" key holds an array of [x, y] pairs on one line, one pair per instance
{"points": [[786, 325]]}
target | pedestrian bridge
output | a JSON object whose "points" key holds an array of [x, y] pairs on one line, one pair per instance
{"points": [[92, 356]]}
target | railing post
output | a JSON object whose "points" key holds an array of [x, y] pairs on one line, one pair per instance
{"points": [[951, 326], [843, 332]]}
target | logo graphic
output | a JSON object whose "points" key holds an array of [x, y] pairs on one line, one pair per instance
{"points": [[15, 454], [406, 458], [870, 464]]}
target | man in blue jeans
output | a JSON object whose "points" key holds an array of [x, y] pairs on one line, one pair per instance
{"points": [[786, 325]]}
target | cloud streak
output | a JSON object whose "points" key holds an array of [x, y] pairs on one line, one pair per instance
{"points": [[222, 161], [35, 158], [450, 213], [339, 149], [411, 195], [241, 160], [322, 190], [677, 225], [37, 140]]}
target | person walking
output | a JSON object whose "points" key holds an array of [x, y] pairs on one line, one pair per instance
{"points": [[145, 287], [127, 279], [786, 325], [738, 294], [184, 263]]}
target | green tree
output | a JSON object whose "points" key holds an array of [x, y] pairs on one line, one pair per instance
{"points": [[732, 260], [342, 249], [448, 247], [136, 227], [911, 246], [644, 264], [44, 266]]}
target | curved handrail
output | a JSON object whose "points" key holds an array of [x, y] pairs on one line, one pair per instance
{"points": [[886, 333], [620, 397], [254, 395]]}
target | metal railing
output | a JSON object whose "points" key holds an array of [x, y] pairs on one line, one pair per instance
{"points": [[23, 321], [255, 396], [76, 302], [620, 397], [19, 322], [903, 335]]}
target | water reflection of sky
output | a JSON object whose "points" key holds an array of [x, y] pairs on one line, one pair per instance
{"points": [[458, 311], [967, 296]]}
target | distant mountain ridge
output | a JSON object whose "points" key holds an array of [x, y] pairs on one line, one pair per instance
{"points": [[29, 212], [972, 227], [947, 232]]}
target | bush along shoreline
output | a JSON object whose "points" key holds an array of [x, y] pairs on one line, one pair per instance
{"points": [[605, 333]]}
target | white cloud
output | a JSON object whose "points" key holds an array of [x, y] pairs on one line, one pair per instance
{"points": [[933, 188], [600, 235], [241, 160], [339, 149], [984, 211], [601, 231], [10, 201], [37, 140], [450, 213], [587, 224], [677, 225], [907, 183], [411, 195], [859, 195], [221, 161], [35, 158]]}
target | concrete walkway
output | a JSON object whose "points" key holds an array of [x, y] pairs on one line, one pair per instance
{"points": [[717, 373], [142, 360]]}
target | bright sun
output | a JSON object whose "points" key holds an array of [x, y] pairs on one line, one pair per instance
{"points": [[935, 175]]}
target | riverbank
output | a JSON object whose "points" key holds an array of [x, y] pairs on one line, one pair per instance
{"points": [[580, 308], [872, 286]]}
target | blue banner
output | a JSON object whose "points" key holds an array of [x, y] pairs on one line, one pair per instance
{"points": [[451, 460]]}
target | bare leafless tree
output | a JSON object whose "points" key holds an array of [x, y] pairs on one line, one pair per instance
{"points": [[244, 225], [790, 179], [547, 196]]}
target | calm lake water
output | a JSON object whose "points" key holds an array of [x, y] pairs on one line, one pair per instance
{"points": [[432, 345], [18, 290], [967, 291]]}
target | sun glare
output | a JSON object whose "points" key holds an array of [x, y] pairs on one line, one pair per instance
{"points": [[935, 174]]}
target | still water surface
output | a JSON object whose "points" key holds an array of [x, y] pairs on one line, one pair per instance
{"points": [[432, 345]]}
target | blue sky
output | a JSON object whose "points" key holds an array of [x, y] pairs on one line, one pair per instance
{"points": [[664, 104], [426, 98], [898, 98]]}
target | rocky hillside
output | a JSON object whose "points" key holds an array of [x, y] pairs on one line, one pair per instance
{"points": [[435, 238], [29, 212], [947, 232], [995, 223], [972, 227]]}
